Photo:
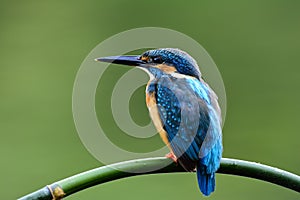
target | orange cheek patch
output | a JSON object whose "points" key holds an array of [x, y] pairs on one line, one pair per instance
{"points": [[166, 68]]}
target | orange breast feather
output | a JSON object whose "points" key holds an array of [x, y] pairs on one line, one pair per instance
{"points": [[152, 107]]}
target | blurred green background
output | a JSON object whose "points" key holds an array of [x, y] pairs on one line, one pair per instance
{"points": [[255, 44]]}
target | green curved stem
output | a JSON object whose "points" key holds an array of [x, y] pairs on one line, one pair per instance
{"points": [[120, 170]]}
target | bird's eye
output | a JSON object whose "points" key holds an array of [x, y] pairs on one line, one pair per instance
{"points": [[157, 59]]}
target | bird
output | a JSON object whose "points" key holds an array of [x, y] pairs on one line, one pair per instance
{"points": [[184, 110]]}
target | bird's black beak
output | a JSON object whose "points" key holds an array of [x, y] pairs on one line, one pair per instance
{"points": [[122, 60]]}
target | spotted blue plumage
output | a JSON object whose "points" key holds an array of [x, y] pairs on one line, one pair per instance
{"points": [[190, 115]]}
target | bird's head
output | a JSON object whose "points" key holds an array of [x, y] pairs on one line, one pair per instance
{"points": [[160, 61]]}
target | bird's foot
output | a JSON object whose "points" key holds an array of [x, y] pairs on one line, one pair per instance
{"points": [[171, 156]]}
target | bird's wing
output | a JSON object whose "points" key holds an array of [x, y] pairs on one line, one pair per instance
{"points": [[211, 148], [183, 106]]}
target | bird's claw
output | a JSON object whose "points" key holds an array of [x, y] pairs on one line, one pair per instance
{"points": [[171, 156]]}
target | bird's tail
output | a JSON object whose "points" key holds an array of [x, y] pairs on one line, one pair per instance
{"points": [[206, 181]]}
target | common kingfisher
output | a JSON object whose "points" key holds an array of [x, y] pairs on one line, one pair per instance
{"points": [[184, 110]]}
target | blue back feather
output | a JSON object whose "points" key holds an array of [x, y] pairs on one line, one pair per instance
{"points": [[190, 114], [190, 132]]}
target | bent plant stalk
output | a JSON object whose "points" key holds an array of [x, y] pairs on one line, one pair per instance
{"points": [[76, 183]]}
